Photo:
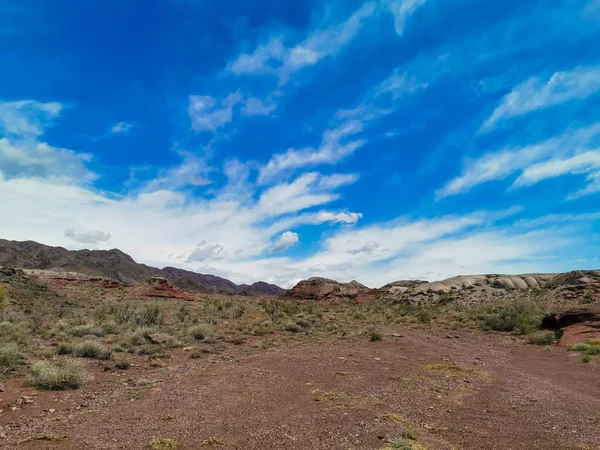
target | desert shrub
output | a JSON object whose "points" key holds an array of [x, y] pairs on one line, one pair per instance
{"points": [[586, 359], [56, 377], [543, 337], [201, 332], [109, 327], [87, 330], [10, 358], [291, 327], [588, 298], [273, 308], [64, 348], [585, 347], [304, 323], [138, 336], [520, 316], [375, 336], [122, 362], [163, 444], [144, 314], [150, 314], [91, 349], [239, 311], [3, 298]]}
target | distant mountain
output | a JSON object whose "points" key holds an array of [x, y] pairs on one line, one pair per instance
{"points": [[119, 266]]}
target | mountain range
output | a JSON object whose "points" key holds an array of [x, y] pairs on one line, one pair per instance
{"points": [[119, 266]]}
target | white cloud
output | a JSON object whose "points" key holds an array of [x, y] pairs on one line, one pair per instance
{"points": [[402, 10], [254, 106], [24, 158], [27, 118], [578, 164], [285, 241], [277, 59], [333, 148], [192, 171], [342, 217], [400, 83], [121, 128], [206, 252], [504, 163], [93, 237], [209, 114], [538, 93], [592, 187]]}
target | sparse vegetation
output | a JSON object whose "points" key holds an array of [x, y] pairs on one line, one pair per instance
{"points": [[10, 358], [588, 298], [56, 376], [163, 444], [375, 336], [543, 337], [586, 348], [91, 349]]}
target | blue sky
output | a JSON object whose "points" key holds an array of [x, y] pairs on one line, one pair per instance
{"points": [[370, 140]]}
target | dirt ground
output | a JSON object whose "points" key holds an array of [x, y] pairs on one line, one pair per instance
{"points": [[431, 390]]}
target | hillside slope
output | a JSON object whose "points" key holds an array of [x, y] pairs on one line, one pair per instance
{"points": [[119, 266]]}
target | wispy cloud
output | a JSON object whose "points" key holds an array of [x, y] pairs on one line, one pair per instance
{"points": [[275, 58], [209, 113], [402, 9], [336, 144], [27, 118], [533, 160], [284, 241], [538, 93], [121, 128]]}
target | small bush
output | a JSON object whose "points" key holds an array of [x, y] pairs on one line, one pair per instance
{"points": [[201, 332], [10, 358], [375, 336], [304, 323], [586, 359], [87, 330], [53, 377], [520, 316], [291, 327], [541, 337], [122, 362], [64, 348], [588, 298], [585, 347], [163, 444], [91, 349], [3, 298]]}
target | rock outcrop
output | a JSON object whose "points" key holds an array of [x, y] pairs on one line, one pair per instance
{"points": [[324, 289]]}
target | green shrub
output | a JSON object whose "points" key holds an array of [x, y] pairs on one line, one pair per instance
{"points": [[91, 349], [201, 332], [3, 298], [375, 336], [585, 347], [520, 316], [541, 337], [122, 362], [291, 327], [304, 323], [87, 330], [586, 359], [588, 298], [64, 348], [10, 358], [56, 377]]}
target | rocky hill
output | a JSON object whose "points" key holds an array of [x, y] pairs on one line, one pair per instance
{"points": [[324, 289], [119, 266], [467, 289]]}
